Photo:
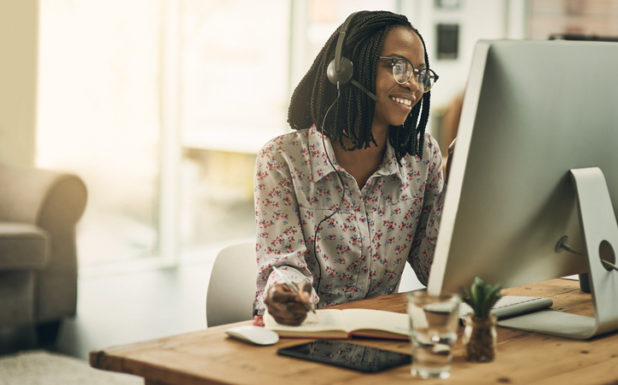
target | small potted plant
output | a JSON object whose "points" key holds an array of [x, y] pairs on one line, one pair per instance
{"points": [[480, 333]]}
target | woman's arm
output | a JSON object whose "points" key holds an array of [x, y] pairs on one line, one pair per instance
{"points": [[280, 240], [424, 242]]}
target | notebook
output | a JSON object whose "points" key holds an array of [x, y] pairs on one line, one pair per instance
{"points": [[346, 323]]}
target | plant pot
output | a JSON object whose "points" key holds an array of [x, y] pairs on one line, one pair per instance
{"points": [[480, 337]]}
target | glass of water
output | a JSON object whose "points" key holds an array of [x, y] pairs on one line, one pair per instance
{"points": [[433, 332]]}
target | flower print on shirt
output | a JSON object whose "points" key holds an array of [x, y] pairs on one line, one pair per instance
{"points": [[362, 248]]}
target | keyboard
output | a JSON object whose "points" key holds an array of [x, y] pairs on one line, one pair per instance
{"points": [[510, 306]]}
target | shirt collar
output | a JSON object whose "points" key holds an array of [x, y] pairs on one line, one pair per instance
{"points": [[318, 148], [389, 165], [321, 167]]}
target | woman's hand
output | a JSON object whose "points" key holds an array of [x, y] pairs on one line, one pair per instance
{"points": [[286, 306]]}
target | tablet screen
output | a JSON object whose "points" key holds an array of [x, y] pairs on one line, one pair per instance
{"points": [[347, 355]]}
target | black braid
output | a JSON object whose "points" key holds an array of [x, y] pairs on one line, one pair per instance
{"points": [[363, 43]]}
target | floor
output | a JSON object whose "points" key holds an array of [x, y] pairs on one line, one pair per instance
{"points": [[127, 307]]}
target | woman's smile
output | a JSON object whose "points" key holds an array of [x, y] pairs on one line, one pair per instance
{"points": [[405, 102]]}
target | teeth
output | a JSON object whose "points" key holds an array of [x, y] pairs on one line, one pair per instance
{"points": [[405, 102]]}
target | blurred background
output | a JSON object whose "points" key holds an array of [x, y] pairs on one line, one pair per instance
{"points": [[161, 105]]}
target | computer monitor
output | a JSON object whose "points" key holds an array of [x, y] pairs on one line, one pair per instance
{"points": [[532, 111]]}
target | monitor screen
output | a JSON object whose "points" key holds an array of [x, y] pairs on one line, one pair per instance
{"points": [[532, 111]]}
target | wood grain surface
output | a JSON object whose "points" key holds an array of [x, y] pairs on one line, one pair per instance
{"points": [[209, 357]]}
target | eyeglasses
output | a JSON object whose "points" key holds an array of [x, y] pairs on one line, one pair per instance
{"points": [[403, 70]]}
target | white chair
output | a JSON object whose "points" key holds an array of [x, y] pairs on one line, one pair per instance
{"points": [[408, 280], [231, 288]]}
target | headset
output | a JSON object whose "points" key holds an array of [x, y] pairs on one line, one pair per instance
{"points": [[341, 69], [339, 72]]}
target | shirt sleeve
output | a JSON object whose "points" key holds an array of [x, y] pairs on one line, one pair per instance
{"points": [[279, 237], [424, 242]]}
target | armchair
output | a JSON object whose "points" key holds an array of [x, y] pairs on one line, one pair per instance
{"points": [[39, 210]]}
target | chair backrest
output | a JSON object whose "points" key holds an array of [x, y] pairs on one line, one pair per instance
{"points": [[231, 288], [408, 280]]}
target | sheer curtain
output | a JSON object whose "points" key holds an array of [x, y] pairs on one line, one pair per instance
{"points": [[161, 106], [98, 116]]}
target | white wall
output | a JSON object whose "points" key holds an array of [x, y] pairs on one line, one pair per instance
{"points": [[477, 19], [18, 68]]}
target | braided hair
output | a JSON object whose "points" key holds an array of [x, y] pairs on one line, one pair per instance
{"points": [[363, 42]]}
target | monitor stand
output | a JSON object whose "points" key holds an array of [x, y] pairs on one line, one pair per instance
{"points": [[601, 235]]}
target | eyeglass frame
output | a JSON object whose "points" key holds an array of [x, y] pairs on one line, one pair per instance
{"points": [[415, 72]]}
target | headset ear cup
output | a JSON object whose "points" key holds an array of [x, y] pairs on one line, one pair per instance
{"points": [[344, 74]]}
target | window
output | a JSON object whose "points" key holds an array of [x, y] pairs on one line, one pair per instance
{"points": [[234, 61], [161, 105], [98, 116]]}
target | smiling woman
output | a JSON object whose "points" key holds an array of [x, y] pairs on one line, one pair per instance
{"points": [[397, 89], [355, 193]]}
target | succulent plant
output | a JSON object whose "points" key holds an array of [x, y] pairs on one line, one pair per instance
{"points": [[481, 297]]}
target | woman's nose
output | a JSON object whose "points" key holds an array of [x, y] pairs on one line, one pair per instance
{"points": [[413, 84]]}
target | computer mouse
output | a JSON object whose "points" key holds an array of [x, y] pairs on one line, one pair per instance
{"points": [[253, 334]]}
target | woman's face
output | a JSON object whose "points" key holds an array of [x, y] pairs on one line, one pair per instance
{"points": [[397, 100]]}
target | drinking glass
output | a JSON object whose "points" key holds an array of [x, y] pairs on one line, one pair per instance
{"points": [[433, 332]]}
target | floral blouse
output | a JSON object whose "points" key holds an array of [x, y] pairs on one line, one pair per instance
{"points": [[362, 248]]}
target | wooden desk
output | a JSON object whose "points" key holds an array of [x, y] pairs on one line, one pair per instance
{"points": [[209, 357]]}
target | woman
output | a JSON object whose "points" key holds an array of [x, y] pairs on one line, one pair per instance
{"points": [[356, 190]]}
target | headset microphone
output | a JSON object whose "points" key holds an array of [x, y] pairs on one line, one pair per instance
{"points": [[341, 69]]}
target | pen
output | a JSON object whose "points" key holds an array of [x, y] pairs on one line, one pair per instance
{"points": [[309, 306]]}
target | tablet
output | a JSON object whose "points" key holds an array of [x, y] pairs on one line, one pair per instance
{"points": [[347, 355]]}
